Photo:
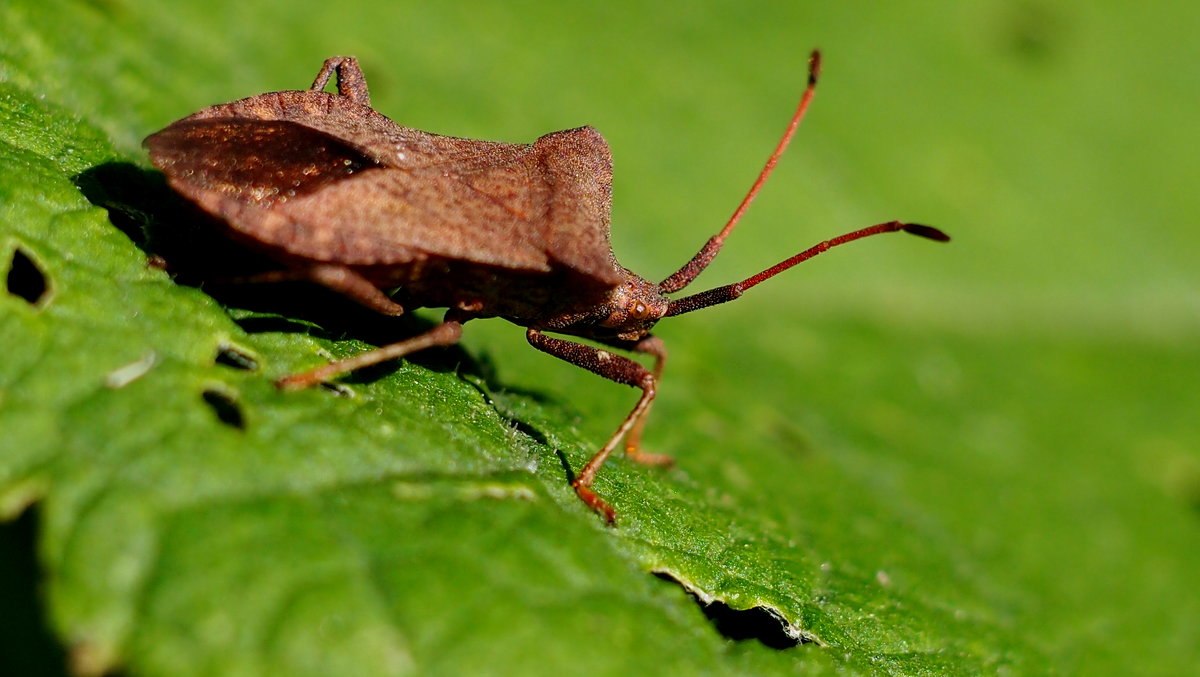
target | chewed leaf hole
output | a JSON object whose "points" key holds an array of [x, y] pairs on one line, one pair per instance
{"points": [[236, 357], [761, 623], [226, 408], [753, 623], [25, 279]]}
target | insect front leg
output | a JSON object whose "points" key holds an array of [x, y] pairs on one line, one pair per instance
{"points": [[446, 333], [350, 81], [614, 368]]}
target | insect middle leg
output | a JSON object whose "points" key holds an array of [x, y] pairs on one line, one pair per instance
{"points": [[614, 368], [651, 345]]}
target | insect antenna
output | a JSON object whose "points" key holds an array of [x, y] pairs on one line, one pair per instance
{"points": [[684, 276], [731, 291]]}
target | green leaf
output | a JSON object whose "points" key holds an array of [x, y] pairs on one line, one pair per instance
{"points": [[976, 458]]}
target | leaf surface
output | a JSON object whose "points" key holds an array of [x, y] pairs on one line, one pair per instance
{"points": [[969, 459]]}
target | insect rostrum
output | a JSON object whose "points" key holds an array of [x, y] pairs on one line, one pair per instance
{"points": [[342, 196]]}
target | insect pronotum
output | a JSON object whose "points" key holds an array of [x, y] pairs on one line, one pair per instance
{"points": [[342, 196]]}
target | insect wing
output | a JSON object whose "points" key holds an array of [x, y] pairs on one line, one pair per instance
{"points": [[261, 162], [314, 195]]}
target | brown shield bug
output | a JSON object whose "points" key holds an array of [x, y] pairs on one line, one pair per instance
{"points": [[342, 196]]}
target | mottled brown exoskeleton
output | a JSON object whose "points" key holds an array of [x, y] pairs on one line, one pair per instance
{"points": [[344, 197]]}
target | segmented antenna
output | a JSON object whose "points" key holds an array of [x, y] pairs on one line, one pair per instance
{"points": [[731, 291], [684, 276]]}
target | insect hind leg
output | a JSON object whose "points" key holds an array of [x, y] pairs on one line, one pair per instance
{"points": [[350, 80]]}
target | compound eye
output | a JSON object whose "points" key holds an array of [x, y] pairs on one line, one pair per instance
{"points": [[639, 310]]}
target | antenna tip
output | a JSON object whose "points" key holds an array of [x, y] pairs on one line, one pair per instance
{"points": [[814, 67], [926, 231]]}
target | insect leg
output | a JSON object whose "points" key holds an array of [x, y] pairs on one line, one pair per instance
{"points": [[651, 345], [350, 284], [350, 81], [446, 333], [340, 279], [614, 368]]}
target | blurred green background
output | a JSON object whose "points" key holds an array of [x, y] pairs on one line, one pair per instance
{"points": [[1004, 428]]}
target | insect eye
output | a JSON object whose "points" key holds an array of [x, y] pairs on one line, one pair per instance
{"points": [[639, 310]]}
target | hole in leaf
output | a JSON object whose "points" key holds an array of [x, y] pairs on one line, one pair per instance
{"points": [[226, 408], [235, 357], [753, 623], [25, 279], [761, 623]]}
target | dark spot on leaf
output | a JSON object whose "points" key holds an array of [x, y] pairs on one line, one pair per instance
{"points": [[761, 623], [25, 279], [236, 357], [226, 408]]}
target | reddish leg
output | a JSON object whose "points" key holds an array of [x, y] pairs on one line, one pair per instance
{"points": [[651, 345], [614, 368], [446, 333]]}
